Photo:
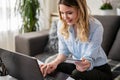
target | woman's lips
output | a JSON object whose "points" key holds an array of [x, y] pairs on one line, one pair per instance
{"points": [[68, 21]]}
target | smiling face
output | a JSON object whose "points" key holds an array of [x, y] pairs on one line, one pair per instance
{"points": [[68, 14]]}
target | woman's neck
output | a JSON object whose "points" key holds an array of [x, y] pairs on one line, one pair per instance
{"points": [[75, 30]]}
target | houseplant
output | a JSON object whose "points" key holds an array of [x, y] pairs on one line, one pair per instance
{"points": [[107, 8], [29, 11], [106, 5]]}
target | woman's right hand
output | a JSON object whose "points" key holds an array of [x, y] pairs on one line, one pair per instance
{"points": [[48, 68]]}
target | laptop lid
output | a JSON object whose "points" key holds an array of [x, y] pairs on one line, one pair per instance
{"points": [[21, 66]]}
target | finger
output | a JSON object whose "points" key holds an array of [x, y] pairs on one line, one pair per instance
{"points": [[80, 68], [86, 66], [83, 59], [43, 67], [46, 70], [86, 63], [78, 63]]}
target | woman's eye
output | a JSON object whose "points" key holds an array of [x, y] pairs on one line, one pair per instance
{"points": [[70, 13]]}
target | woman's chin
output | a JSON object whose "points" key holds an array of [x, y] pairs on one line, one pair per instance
{"points": [[69, 24]]}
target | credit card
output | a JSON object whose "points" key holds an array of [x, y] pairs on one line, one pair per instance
{"points": [[72, 60]]}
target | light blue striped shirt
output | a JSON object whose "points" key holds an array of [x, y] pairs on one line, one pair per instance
{"points": [[90, 50]]}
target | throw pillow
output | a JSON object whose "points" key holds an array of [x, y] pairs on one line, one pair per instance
{"points": [[52, 45], [115, 50]]}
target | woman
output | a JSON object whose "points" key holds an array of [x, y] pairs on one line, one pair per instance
{"points": [[79, 35]]}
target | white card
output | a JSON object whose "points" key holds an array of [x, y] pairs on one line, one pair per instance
{"points": [[70, 78], [71, 61]]}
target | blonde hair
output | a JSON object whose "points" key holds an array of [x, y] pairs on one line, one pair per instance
{"points": [[82, 22]]}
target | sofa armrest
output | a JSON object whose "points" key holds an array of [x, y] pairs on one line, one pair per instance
{"points": [[31, 43]]}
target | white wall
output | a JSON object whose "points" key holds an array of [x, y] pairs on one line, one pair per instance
{"points": [[94, 5], [51, 5]]}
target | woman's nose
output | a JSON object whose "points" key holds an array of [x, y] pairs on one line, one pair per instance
{"points": [[65, 16]]}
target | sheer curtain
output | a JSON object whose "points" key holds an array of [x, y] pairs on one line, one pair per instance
{"points": [[8, 24]]}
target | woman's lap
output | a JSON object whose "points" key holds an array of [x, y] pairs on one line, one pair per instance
{"points": [[98, 73]]}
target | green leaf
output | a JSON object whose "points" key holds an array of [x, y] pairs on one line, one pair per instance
{"points": [[106, 6], [28, 10]]}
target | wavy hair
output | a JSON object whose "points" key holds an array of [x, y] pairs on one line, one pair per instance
{"points": [[82, 22]]}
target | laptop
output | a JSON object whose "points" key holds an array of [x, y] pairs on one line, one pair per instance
{"points": [[21, 66]]}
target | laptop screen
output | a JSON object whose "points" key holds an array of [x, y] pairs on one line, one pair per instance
{"points": [[21, 66]]}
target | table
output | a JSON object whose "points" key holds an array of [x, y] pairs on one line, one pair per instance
{"points": [[58, 76], [117, 78], [8, 77]]}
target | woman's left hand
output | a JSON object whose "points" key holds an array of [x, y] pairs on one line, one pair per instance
{"points": [[82, 65]]}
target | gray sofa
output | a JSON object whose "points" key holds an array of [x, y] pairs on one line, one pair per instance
{"points": [[33, 43]]}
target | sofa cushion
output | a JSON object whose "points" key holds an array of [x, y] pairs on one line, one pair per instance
{"points": [[52, 45], [111, 25], [115, 50]]}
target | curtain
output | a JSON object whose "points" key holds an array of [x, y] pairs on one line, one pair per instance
{"points": [[8, 24]]}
